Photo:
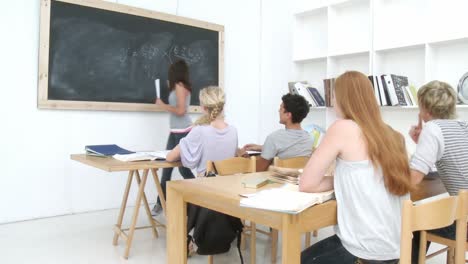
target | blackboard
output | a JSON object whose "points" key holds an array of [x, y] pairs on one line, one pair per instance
{"points": [[107, 55]]}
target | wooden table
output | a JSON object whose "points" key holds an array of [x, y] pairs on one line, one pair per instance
{"points": [[110, 164], [430, 186], [222, 194]]}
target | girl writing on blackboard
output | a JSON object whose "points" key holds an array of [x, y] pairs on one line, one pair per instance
{"points": [[179, 122]]}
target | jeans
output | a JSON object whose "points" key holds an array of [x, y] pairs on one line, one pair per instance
{"points": [[446, 232], [331, 251], [172, 142]]}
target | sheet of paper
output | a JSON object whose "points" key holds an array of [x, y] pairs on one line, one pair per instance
{"points": [[158, 90]]}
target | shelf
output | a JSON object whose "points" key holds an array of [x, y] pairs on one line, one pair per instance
{"points": [[349, 22], [443, 42], [310, 59], [349, 62], [311, 35], [400, 22], [398, 107], [398, 48], [448, 61], [313, 9], [318, 108], [349, 54], [408, 62]]}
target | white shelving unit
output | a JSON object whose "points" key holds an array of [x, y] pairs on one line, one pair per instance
{"points": [[422, 39]]}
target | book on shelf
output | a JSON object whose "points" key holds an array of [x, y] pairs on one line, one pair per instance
{"points": [[301, 89], [413, 93], [389, 89], [316, 96], [288, 200], [383, 96], [398, 83], [329, 87], [408, 97], [373, 80], [142, 155], [105, 150]]}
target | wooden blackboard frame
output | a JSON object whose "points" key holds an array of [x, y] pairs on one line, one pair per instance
{"points": [[43, 83]]}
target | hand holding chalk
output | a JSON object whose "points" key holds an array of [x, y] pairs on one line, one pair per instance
{"points": [[158, 91]]}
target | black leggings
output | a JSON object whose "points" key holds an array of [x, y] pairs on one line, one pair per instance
{"points": [[172, 142], [331, 251]]}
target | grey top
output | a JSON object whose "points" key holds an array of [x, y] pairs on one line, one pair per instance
{"points": [[369, 216], [287, 143], [444, 143], [175, 121], [205, 143]]}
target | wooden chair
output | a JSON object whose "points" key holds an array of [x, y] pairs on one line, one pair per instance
{"points": [[232, 166], [455, 248], [292, 163], [426, 216]]}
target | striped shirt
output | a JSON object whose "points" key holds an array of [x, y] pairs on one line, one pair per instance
{"points": [[444, 143]]}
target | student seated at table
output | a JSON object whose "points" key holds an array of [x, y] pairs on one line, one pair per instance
{"points": [[443, 143], [292, 141], [371, 179], [211, 139]]}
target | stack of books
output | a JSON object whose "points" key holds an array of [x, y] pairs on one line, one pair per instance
{"points": [[105, 150], [285, 200], [285, 175]]}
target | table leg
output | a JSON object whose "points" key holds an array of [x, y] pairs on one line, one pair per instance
{"points": [[131, 231], [147, 209], [253, 243], [122, 206], [154, 172], [176, 227], [291, 239]]}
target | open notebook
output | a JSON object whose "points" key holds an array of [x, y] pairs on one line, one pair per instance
{"points": [[142, 155], [285, 199]]}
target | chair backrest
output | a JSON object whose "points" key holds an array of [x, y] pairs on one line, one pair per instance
{"points": [[426, 216], [293, 163], [462, 215], [232, 166]]}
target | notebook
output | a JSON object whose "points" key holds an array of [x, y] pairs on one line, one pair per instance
{"points": [[143, 155], [105, 150], [285, 199]]}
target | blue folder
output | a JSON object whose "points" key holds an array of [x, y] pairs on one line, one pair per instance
{"points": [[106, 150]]}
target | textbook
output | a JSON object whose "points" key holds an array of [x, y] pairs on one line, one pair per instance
{"points": [[255, 182], [142, 155], [105, 150], [288, 200]]}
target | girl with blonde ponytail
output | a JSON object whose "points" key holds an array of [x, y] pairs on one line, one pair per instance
{"points": [[212, 102], [211, 139]]}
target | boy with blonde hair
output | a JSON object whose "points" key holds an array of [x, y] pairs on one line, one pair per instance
{"points": [[443, 142]]}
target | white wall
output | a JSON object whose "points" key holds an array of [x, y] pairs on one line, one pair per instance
{"points": [[38, 177]]}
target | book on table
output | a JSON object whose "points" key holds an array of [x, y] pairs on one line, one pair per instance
{"points": [[286, 199], [143, 155], [105, 150]]}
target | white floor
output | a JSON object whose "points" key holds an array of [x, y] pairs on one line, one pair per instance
{"points": [[87, 238]]}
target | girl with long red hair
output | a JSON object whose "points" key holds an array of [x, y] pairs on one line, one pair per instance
{"points": [[371, 179]]}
